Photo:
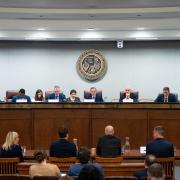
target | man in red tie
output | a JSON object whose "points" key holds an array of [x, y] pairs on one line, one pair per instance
{"points": [[166, 97]]}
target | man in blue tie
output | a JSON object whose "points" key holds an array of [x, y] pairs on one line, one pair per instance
{"points": [[57, 94], [95, 95]]}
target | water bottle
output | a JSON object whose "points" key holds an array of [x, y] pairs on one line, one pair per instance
{"points": [[127, 145]]}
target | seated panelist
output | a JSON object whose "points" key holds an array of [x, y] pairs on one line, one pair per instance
{"points": [[94, 95], [128, 96], [39, 95], [22, 97], [73, 97], [166, 97], [57, 94]]}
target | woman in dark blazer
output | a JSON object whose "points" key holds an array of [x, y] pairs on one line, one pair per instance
{"points": [[11, 147], [73, 98]]}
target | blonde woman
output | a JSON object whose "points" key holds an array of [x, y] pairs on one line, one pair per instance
{"points": [[11, 147]]}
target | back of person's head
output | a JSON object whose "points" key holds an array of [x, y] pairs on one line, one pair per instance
{"points": [[40, 156], [109, 130], [83, 155], [22, 91], [156, 172], [149, 160], [11, 138], [89, 172], [63, 132], [159, 130]]}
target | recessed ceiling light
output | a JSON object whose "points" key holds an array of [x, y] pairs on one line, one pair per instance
{"points": [[140, 28], [41, 29], [147, 38]]}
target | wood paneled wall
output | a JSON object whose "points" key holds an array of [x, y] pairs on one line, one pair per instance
{"points": [[37, 124]]}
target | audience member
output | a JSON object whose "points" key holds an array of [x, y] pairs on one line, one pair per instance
{"points": [[42, 168], [159, 146], [84, 160], [90, 172], [149, 160], [73, 97], [22, 96], [166, 97], [109, 145], [62, 147], [156, 172], [11, 147], [57, 94]]}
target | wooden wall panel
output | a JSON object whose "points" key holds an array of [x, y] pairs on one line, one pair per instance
{"points": [[19, 121], [170, 120], [132, 123], [47, 123]]}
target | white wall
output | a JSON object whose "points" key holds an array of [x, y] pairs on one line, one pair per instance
{"points": [[144, 66]]}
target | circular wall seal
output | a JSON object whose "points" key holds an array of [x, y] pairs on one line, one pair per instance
{"points": [[91, 65]]}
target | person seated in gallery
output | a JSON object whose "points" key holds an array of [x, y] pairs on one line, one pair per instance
{"points": [[73, 97], [166, 97], [42, 168], [90, 172], [109, 145], [84, 160], [39, 95], [160, 147], [149, 160], [58, 94], [156, 172], [63, 147], [94, 95], [128, 96], [11, 147], [21, 97]]}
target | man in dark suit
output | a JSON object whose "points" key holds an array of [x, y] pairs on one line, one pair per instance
{"points": [[21, 96], [94, 95], [57, 94], [166, 97], [62, 147], [149, 160], [128, 95], [109, 145], [159, 146]]}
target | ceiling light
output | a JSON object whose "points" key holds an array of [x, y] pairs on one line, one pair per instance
{"points": [[41, 29], [140, 28], [147, 38]]}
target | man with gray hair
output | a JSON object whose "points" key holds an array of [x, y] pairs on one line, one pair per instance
{"points": [[156, 172], [57, 94], [160, 147], [109, 145]]}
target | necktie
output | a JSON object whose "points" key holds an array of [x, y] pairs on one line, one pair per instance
{"points": [[166, 99], [56, 97]]}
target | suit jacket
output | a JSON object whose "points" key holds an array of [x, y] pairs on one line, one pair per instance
{"points": [[75, 101], [18, 97], [160, 148], [63, 148], [14, 151], [132, 96], [108, 146], [141, 173], [97, 99], [62, 97], [171, 98]]}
